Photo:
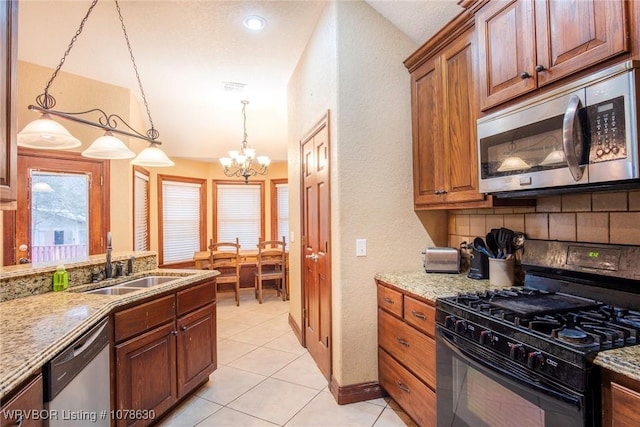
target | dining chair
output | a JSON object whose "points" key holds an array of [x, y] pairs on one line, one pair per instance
{"points": [[271, 265], [225, 257]]}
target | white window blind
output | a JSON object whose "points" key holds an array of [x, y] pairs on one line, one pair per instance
{"points": [[238, 210], [282, 210], [141, 212], [180, 220]]}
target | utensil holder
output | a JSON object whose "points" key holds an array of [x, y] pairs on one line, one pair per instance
{"points": [[501, 271]]}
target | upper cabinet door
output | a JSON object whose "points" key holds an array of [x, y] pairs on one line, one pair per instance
{"points": [[428, 161], [8, 61], [572, 35], [506, 51]]}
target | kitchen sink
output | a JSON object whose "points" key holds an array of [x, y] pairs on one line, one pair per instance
{"points": [[133, 285], [113, 290], [148, 281]]}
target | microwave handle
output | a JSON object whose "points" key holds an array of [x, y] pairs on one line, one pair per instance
{"points": [[571, 139]]}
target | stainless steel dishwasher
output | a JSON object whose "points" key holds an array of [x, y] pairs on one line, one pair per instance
{"points": [[77, 386]]}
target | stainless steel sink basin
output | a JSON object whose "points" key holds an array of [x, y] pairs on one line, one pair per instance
{"points": [[148, 281], [113, 290]]}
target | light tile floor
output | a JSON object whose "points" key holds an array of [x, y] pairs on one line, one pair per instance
{"points": [[265, 378]]}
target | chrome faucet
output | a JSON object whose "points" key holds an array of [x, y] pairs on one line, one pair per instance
{"points": [[108, 273]]}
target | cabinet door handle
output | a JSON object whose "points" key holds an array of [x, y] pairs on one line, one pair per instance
{"points": [[183, 328], [524, 75], [402, 342], [419, 315], [388, 300], [540, 68], [174, 333], [403, 387]]}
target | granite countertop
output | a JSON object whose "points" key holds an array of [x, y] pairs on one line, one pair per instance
{"points": [[625, 361], [434, 285], [34, 329]]}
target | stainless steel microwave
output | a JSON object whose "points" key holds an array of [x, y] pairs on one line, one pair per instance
{"points": [[581, 134]]}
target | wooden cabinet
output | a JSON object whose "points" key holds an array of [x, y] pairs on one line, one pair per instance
{"points": [[525, 44], [25, 407], [165, 348], [8, 117], [407, 353], [620, 400], [444, 107]]}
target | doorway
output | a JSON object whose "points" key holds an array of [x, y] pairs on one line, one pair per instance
{"points": [[62, 209], [316, 230]]}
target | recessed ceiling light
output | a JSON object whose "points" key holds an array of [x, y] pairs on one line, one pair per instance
{"points": [[254, 22]]}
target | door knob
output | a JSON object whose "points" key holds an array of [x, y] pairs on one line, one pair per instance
{"points": [[313, 257]]}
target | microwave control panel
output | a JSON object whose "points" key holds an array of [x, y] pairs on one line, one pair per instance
{"points": [[607, 131]]}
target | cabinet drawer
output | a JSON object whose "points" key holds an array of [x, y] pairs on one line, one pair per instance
{"points": [[390, 300], [420, 315], [412, 348], [195, 297], [28, 400], [415, 398], [143, 317]]}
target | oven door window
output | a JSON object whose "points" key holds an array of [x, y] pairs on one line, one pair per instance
{"points": [[472, 394]]}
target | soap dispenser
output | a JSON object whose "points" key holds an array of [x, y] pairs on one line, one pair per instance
{"points": [[60, 279]]}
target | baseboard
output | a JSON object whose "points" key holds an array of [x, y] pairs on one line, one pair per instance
{"points": [[355, 392], [296, 329]]}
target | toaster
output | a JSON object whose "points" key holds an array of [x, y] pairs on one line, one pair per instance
{"points": [[441, 260]]}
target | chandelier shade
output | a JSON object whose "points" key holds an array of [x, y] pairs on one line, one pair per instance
{"points": [[108, 147], [153, 157], [240, 162], [45, 133]]}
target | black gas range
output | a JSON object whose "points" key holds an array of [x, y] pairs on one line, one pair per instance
{"points": [[538, 341]]}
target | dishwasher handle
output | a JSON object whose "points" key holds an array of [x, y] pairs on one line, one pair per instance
{"points": [[66, 365]]}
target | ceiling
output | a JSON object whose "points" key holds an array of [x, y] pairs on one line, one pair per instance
{"points": [[187, 50]]}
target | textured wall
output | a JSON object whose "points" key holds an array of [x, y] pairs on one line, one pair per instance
{"points": [[353, 67], [610, 217]]}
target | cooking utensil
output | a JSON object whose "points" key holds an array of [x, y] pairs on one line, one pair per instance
{"points": [[492, 242], [480, 246], [505, 242]]}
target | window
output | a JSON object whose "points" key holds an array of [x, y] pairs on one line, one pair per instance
{"points": [[279, 209], [239, 212], [181, 218], [140, 209]]}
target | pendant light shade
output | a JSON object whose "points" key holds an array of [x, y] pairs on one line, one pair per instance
{"points": [[47, 134], [152, 156], [108, 147]]}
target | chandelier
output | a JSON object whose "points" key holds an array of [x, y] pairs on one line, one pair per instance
{"points": [[240, 163], [47, 134]]}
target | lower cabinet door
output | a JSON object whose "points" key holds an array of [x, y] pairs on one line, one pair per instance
{"points": [[196, 348], [146, 376], [415, 398]]}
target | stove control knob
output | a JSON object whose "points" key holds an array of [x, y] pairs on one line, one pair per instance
{"points": [[535, 360], [485, 337], [450, 321], [516, 351], [461, 326]]}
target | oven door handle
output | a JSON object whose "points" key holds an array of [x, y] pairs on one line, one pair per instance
{"points": [[572, 400]]}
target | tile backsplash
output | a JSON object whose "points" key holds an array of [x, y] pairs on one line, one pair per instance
{"points": [[609, 217]]}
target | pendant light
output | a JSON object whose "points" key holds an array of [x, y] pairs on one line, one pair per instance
{"points": [[44, 133]]}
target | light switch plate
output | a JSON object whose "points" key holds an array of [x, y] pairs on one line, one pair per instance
{"points": [[361, 247]]}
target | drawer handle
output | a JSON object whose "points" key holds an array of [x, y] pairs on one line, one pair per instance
{"points": [[183, 328], [389, 300], [419, 315], [402, 342], [403, 387]]}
